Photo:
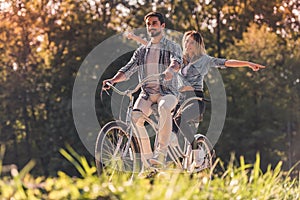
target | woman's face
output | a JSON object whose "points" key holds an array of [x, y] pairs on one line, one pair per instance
{"points": [[190, 46]]}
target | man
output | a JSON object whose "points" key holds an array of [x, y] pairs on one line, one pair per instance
{"points": [[160, 55]]}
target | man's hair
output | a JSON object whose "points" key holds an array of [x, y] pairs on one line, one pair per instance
{"points": [[155, 14]]}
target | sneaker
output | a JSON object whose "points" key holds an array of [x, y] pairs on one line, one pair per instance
{"points": [[158, 160], [199, 157]]}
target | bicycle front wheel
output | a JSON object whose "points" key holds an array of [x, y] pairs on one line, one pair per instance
{"points": [[116, 152]]}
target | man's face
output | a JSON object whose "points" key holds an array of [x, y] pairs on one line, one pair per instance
{"points": [[154, 27]]}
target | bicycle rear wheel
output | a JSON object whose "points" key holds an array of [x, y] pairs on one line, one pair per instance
{"points": [[115, 152]]}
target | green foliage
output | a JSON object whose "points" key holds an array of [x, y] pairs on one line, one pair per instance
{"points": [[2, 151], [237, 181], [78, 161], [259, 103], [42, 46]]}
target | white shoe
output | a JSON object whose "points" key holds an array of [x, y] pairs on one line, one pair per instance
{"points": [[199, 157], [158, 160]]}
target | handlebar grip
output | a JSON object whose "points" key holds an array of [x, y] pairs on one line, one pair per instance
{"points": [[107, 85]]}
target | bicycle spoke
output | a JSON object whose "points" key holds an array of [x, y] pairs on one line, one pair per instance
{"points": [[116, 152]]}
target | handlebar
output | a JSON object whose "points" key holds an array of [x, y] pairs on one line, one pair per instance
{"points": [[138, 86]]}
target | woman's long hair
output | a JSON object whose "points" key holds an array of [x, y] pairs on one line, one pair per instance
{"points": [[200, 46]]}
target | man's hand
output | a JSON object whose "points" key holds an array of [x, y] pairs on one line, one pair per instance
{"points": [[105, 86], [119, 77]]}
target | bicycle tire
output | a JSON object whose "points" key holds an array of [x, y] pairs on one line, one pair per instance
{"points": [[113, 156]]}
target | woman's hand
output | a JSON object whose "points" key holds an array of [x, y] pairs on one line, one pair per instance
{"points": [[168, 73], [256, 67], [129, 35], [132, 36], [186, 88]]}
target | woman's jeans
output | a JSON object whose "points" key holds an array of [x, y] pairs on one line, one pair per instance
{"points": [[193, 112]]}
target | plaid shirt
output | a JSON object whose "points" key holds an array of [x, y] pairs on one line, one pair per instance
{"points": [[197, 70], [169, 51]]}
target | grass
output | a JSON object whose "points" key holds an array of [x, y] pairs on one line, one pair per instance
{"points": [[245, 181]]}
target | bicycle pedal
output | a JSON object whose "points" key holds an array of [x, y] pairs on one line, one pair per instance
{"points": [[152, 173]]}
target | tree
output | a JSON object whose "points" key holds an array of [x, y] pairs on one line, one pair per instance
{"points": [[43, 44], [259, 103]]}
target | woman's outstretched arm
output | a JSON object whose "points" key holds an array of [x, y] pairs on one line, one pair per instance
{"points": [[239, 63], [136, 38]]}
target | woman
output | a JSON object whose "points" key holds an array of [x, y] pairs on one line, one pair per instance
{"points": [[196, 66], [192, 73]]}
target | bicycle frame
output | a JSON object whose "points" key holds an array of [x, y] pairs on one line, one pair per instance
{"points": [[129, 94], [174, 150]]}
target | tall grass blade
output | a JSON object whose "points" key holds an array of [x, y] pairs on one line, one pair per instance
{"points": [[2, 152], [73, 161]]}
